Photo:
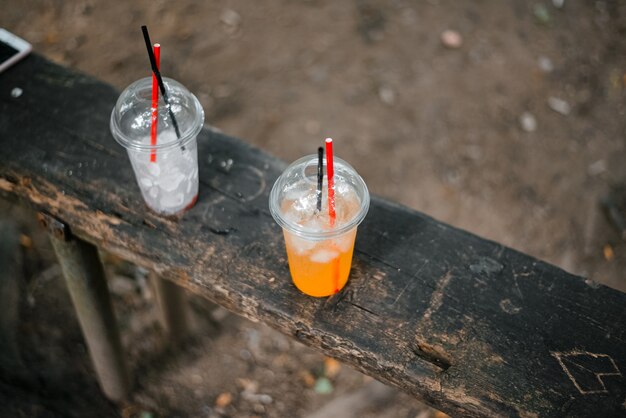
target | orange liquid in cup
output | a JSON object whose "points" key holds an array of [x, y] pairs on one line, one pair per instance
{"points": [[319, 248], [320, 268]]}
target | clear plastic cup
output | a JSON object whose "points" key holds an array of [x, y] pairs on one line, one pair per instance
{"points": [[319, 255], [169, 184]]}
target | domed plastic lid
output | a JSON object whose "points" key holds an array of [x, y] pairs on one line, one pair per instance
{"points": [[293, 199], [131, 118]]}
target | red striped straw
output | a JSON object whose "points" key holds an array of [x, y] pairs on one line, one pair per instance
{"points": [[155, 104], [330, 173]]}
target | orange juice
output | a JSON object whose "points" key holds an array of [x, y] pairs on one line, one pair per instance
{"points": [[320, 268], [319, 250]]}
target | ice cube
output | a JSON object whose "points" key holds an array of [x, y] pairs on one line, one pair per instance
{"points": [[171, 200], [316, 223], [342, 188], [344, 242], [292, 193], [171, 181], [187, 155], [306, 204], [154, 169], [324, 256], [292, 217], [300, 245], [153, 192], [145, 182]]}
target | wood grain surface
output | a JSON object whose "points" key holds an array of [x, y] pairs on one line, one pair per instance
{"points": [[469, 326]]}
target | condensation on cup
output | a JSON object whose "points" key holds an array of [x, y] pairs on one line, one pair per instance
{"points": [[169, 181], [319, 255]]}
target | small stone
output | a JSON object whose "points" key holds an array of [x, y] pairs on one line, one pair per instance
{"points": [[245, 354], [597, 168], [259, 409], [16, 92], [528, 122], [559, 106], [231, 19], [26, 241], [257, 398], [249, 386], [223, 400], [387, 95], [558, 3], [545, 64], [451, 39], [474, 152], [196, 379], [608, 252]]}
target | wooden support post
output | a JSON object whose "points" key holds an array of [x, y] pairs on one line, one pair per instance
{"points": [[172, 302], [10, 260], [87, 285]]}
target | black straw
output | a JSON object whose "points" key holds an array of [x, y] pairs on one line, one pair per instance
{"points": [[320, 177], [156, 72]]}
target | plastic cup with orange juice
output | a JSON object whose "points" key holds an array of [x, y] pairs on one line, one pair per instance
{"points": [[319, 249]]}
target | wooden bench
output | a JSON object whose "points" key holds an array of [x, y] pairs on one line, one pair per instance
{"points": [[465, 324]]}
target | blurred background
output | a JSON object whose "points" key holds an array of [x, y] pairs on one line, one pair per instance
{"points": [[504, 118]]}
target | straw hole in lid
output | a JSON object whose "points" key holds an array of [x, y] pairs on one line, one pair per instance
{"points": [[144, 95], [309, 172]]}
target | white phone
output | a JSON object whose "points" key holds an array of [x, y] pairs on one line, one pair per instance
{"points": [[12, 49]]}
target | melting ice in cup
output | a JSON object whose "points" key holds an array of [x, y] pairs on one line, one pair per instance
{"points": [[343, 242], [171, 200], [171, 183], [300, 245], [324, 256], [153, 169]]}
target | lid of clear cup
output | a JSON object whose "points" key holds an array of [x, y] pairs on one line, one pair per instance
{"points": [[131, 118], [304, 170]]}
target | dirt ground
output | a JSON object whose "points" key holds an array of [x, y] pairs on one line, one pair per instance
{"points": [[515, 134]]}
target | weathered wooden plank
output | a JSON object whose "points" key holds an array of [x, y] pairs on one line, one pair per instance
{"points": [[470, 326]]}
